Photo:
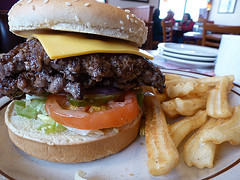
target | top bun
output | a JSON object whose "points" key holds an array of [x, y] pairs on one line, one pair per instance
{"points": [[84, 16]]}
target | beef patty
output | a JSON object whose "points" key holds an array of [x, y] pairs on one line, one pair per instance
{"points": [[28, 69]]}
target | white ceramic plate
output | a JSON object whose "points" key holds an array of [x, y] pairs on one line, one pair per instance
{"points": [[183, 62], [189, 49], [130, 163], [187, 57]]}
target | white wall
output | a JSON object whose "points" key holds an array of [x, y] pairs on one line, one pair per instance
{"points": [[225, 19], [126, 4]]}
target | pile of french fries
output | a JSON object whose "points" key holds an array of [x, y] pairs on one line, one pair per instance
{"points": [[203, 105]]}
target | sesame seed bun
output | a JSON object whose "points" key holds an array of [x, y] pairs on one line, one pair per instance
{"points": [[67, 147], [84, 16]]}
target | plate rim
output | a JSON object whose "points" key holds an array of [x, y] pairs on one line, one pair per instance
{"points": [[192, 63], [188, 57], [163, 46], [164, 70], [3, 174]]}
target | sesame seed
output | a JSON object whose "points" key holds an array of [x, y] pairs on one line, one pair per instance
{"points": [[88, 24], [29, 1], [128, 17], [33, 7], [76, 18], [133, 15], [119, 7], [130, 29], [122, 28], [136, 21], [121, 22], [86, 4], [46, 21], [68, 3], [132, 20], [127, 10], [45, 1]]}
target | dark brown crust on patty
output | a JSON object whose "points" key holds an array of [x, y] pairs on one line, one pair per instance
{"points": [[28, 69]]}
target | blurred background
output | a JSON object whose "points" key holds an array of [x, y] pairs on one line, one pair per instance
{"points": [[187, 19]]}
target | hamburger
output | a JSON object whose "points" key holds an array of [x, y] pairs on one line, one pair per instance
{"points": [[76, 81]]}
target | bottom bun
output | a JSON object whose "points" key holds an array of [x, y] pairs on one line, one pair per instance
{"points": [[67, 147]]}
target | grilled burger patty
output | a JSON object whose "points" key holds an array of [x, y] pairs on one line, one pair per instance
{"points": [[28, 69]]}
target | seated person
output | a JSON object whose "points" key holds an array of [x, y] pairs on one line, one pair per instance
{"points": [[157, 28], [187, 23], [170, 15]]}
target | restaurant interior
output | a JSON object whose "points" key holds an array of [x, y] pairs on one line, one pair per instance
{"points": [[206, 21], [193, 43]]}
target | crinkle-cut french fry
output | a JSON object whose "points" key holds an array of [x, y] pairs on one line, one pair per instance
{"points": [[162, 97], [213, 81], [181, 80], [198, 153], [225, 130], [217, 102], [187, 88], [169, 107], [181, 89], [169, 77], [189, 107], [191, 96], [200, 89], [181, 129], [162, 153], [201, 85]]}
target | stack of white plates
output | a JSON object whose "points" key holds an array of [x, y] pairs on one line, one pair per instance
{"points": [[188, 54]]}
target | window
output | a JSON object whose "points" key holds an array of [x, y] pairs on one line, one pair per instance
{"points": [[179, 7], [103, 1]]}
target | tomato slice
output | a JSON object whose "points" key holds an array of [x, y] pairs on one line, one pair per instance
{"points": [[118, 114]]}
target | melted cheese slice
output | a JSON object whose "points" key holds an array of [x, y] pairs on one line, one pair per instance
{"points": [[62, 45]]}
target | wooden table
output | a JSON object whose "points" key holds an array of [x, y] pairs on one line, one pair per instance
{"points": [[178, 34], [197, 36], [193, 36]]}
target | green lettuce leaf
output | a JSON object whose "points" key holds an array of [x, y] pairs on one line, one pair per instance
{"points": [[49, 125], [35, 108]]}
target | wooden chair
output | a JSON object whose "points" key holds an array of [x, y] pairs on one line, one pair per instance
{"points": [[167, 31], [212, 33]]}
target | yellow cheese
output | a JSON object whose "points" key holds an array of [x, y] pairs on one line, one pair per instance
{"points": [[62, 45]]}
